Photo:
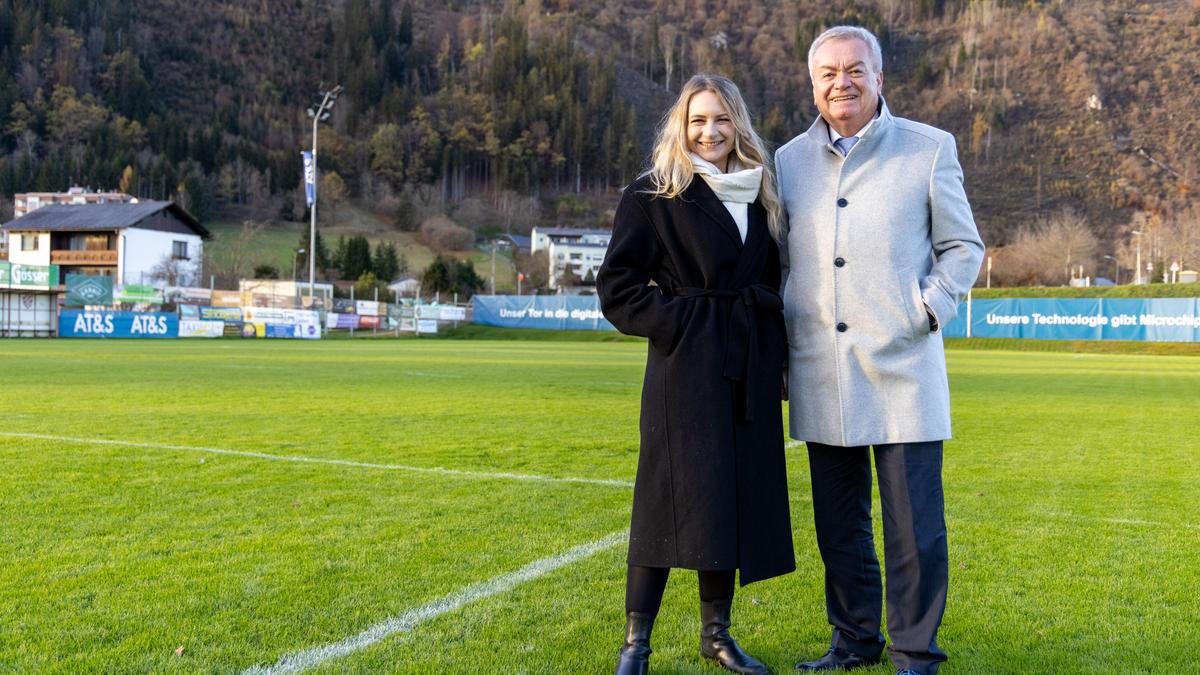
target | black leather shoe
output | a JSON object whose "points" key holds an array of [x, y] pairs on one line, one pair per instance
{"points": [[717, 645], [837, 659], [634, 657]]}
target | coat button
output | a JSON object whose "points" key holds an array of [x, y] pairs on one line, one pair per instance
{"points": [[842, 201], [839, 262], [842, 327]]}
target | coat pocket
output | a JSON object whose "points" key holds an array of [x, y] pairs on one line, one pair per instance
{"points": [[913, 303]]}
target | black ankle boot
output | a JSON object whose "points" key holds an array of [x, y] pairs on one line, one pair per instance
{"points": [[718, 645], [634, 657]]}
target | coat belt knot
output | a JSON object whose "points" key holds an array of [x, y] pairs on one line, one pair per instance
{"points": [[741, 352]]}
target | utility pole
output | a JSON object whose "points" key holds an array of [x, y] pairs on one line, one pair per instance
{"points": [[320, 114]]}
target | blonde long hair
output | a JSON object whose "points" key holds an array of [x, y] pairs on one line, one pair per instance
{"points": [[671, 169]]}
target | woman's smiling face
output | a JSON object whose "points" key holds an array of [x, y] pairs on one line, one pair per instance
{"points": [[710, 131]]}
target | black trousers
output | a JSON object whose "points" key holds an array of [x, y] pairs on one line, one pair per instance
{"points": [[914, 545]]}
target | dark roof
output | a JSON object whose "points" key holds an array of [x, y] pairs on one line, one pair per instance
{"points": [[518, 240], [111, 216]]}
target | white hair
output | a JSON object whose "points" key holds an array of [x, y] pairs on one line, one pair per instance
{"points": [[848, 33]]}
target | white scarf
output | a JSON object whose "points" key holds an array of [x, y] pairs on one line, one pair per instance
{"points": [[736, 189]]}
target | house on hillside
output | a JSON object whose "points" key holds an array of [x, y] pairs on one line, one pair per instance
{"points": [[574, 254], [129, 241]]}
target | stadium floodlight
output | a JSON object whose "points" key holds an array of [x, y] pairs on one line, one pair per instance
{"points": [[295, 259], [322, 113]]}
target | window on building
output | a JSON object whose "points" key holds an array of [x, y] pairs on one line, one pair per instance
{"points": [[179, 250], [29, 242]]}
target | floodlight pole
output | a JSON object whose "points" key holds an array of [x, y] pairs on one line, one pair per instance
{"points": [[321, 113]]}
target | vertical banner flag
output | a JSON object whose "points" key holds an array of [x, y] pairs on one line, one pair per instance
{"points": [[310, 178]]}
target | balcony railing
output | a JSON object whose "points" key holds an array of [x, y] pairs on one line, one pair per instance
{"points": [[83, 257]]}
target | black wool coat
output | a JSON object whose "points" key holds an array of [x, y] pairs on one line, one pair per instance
{"points": [[711, 489]]}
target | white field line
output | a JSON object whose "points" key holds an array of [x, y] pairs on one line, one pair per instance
{"points": [[1119, 521], [296, 662], [442, 471]]}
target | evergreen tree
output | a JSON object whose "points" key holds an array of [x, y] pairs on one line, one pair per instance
{"points": [[357, 258], [385, 263]]}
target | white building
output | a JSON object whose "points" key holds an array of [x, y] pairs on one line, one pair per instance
{"points": [[124, 240], [572, 250], [28, 202]]}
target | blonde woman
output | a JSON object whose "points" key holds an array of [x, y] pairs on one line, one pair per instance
{"points": [[693, 265]]}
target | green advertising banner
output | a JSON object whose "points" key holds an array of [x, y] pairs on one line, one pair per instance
{"points": [[33, 277], [86, 289], [137, 293]]}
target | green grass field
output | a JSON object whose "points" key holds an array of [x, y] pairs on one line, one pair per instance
{"points": [[136, 538]]}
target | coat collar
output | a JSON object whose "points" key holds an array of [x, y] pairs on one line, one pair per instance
{"points": [[819, 131]]}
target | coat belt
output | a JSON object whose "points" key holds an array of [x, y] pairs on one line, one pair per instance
{"points": [[741, 338]]}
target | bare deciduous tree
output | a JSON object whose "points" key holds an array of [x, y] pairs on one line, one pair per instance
{"points": [[172, 271], [1045, 252], [1181, 238]]}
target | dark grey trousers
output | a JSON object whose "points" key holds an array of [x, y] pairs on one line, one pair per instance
{"points": [[914, 546]]}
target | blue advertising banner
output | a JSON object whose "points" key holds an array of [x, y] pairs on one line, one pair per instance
{"points": [[1151, 320], [310, 178], [555, 312], [77, 323]]}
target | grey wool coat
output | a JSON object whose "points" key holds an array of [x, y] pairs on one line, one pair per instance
{"points": [[876, 241], [711, 489]]}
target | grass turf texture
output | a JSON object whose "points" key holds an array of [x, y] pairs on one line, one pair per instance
{"points": [[1071, 488]]}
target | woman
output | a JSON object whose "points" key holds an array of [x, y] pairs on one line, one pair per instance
{"points": [[693, 265]]}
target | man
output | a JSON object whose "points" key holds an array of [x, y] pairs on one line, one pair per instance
{"points": [[881, 247]]}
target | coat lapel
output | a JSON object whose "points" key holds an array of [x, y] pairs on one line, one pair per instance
{"points": [[705, 199], [749, 265]]}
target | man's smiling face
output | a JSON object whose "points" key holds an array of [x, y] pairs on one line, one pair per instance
{"points": [[846, 85]]}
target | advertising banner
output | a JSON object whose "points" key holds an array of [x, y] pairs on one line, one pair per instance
{"points": [[279, 330], [87, 289], [366, 307], [559, 312], [427, 326], [226, 298], [194, 328], [229, 314], [310, 178], [19, 276], [268, 322], [368, 322], [334, 320], [1151, 319], [77, 323], [184, 295], [452, 313], [343, 305], [133, 294]]}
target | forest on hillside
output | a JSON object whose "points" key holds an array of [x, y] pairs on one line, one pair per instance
{"points": [[1074, 119]]}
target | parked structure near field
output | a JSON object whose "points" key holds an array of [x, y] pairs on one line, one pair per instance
{"points": [[133, 242], [574, 254]]}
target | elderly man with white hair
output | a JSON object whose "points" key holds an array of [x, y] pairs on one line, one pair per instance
{"points": [[880, 248]]}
